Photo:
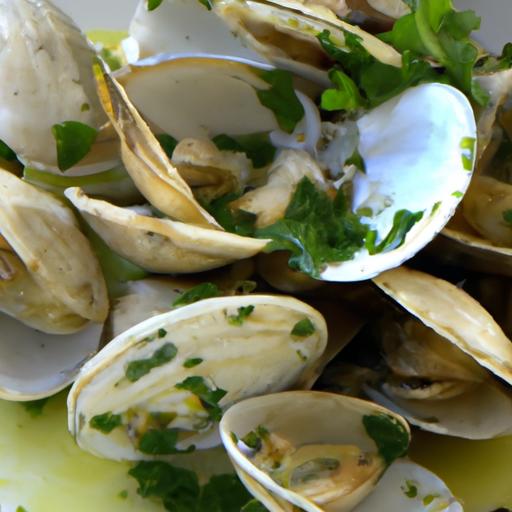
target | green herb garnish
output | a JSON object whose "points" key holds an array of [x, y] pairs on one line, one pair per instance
{"points": [[162, 442], [468, 145], [345, 94], [137, 369], [167, 142], [106, 422], [35, 407], [153, 4], [303, 328], [256, 146], [243, 313], [390, 436], [410, 489], [210, 397], [123, 494], [192, 362], [236, 221], [6, 152], [507, 216], [199, 292], [74, 140], [281, 98]]}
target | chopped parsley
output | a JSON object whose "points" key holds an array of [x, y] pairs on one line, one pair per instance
{"points": [[123, 494], [436, 207], [256, 146], [244, 312], [429, 498], [199, 292], [35, 407], [303, 328], [507, 216], [316, 230], [137, 369], [162, 442], [162, 333], [210, 397], [21, 509], [281, 98], [254, 438], [6, 152], [468, 145], [168, 143], [74, 141], [236, 221], [113, 62], [390, 436], [301, 355], [344, 96], [153, 4], [403, 222], [178, 489], [206, 3], [106, 422], [458, 194], [192, 362], [410, 489]]}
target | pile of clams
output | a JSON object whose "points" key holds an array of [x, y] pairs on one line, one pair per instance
{"points": [[222, 266]]}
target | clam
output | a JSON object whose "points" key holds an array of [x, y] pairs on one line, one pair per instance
{"points": [[441, 359], [319, 452], [160, 387]]}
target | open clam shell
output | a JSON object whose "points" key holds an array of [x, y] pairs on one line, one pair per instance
{"points": [[301, 448], [49, 257], [162, 245], [43, 46], [479, 409], [171, 375]]}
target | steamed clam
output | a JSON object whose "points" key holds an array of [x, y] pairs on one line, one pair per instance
{"points": [[160, 387]]}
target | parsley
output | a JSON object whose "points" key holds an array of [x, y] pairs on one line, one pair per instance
{"points": [[507, 216], [114, 63], [106, 422], [179, 489], [6, 152], [357, 160], [468, 146], [74, 140], [243, 313], [239, 222], [199, 292], [35, 407], [162, 442], [153, 4], [123, 494], [492, 64], [209, 397], [303, 328], [390, 436], [410, 489], [281, 98], [192, 362], [206, 4], [256, 146], [254, 506], [137, 369], [429, 498], [162, 333], [458, 194], [403, 221], [167, 142], [254, 438], [21, 509], [316, 230], [345, 95]]}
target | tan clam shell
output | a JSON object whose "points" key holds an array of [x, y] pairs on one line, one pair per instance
{"points": [[162, 245], [245, 360], [146, 161], [302, 418], [45, 236]]}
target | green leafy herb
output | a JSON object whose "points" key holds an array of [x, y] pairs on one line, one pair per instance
{"points": [[435, 207], [137, 369], [74, 140], [492, 64], [507, 216], [403, 221], [429, 498], [344, 96], [106, 422], [161, 442], [390, 436], [113, 62], [256, 146], [254, 506], [192, 362], [35, 407], [468, 145], [281, 99], [243, 313], [162, 333], [410, 489], [235, 221], [209, 397], [199, 292], [303, 328], [21, 509], [316, 230], [167, 142], [458, 194], [206, 3], [123, 494], [254, 438], [223, 493], [6, 152], [357, 160], [153, 4]]}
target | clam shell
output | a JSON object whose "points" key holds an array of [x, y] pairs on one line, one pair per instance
{"points": [[162, 245], [302, 418], [257, 357]]}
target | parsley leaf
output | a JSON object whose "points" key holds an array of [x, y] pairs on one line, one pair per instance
{"points": [[35, 407], [281, 98], [235, 221], [390, 436], [507, 216], [6, 152], [137, 369], [74, 140], [168, 143], [199, 292], [106, 422], [192, 362], [256, 146], [206, 3], [223, 493], [154, 4], [209, 397], [316, 230], [161, 442], [243, 313], [303, 328], [345, 95]]}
